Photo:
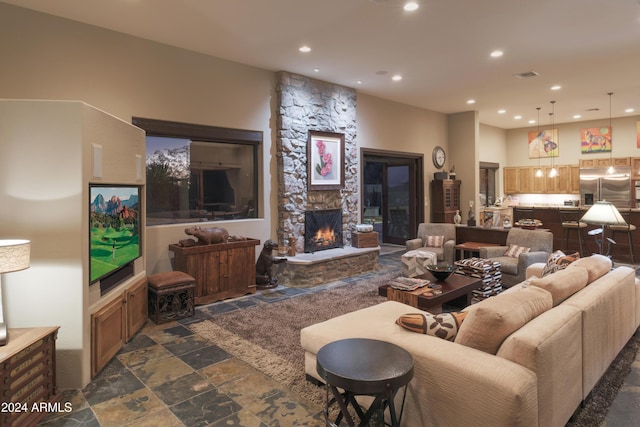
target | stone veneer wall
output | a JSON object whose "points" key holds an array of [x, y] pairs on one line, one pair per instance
{"points": [[305, 104]]}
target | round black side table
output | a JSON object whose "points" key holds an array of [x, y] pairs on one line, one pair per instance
{"points": [[368, 367]]}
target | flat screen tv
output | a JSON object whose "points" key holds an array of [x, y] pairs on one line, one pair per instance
{"points": [[114, 231]]}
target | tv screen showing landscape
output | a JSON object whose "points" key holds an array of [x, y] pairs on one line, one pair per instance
{"points": [[114, 225]]}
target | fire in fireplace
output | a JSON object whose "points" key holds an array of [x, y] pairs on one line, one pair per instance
{"points": [[322, 230]]}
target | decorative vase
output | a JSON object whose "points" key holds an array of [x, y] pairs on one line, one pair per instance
{"points": [[457, 218]]}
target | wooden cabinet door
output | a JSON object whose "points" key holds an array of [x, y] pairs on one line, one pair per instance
{"points": [[563, 180], [635, 168], [242, 271], [525, 178], [510, 175], [107, 333], [621, 161], [587, 163], [137, 297], [603, 162], [574, 181]]}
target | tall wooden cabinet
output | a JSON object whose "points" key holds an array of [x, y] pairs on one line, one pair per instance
{"points": [[445, 200], [222, 270]]}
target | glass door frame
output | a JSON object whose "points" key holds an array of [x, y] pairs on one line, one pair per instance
{"points": [[415, 162]]}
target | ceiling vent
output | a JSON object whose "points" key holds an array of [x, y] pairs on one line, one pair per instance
{"points": [[592, 109], [526, 75]]}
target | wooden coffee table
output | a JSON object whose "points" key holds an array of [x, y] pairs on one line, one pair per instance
{"points": [[457, 289]]}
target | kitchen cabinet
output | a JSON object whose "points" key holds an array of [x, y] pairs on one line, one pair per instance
{"points": [[605, 162], [116, 322], [445, 200], [221, 270], [574, 180], [510, 175]]}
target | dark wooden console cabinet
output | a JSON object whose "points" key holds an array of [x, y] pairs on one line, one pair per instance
{"points": [[445, 200], [222, 270], [28, 375]]}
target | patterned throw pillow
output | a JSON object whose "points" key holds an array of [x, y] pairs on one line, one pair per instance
{"points": [[515, 251], [558, 261], [445, 325], [434, 241]]}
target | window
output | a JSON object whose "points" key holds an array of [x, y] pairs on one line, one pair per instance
{"points": [[488, 183], [199, 173]]}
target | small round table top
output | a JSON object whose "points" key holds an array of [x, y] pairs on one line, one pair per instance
{"points": [[365, 366]]}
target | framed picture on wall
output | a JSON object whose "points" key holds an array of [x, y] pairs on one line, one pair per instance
{"points": [[325, 161], [543, 143], [595, 140]]}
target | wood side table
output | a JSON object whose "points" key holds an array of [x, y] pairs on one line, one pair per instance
{"points": [[470, 249], [28, 367], [368, 367]]}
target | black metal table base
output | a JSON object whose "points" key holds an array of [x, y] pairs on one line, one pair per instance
{"points": [[380, 403]]}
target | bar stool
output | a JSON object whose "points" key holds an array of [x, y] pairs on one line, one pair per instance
{"points": [[570, 221], [627, 229], [522, 213]]}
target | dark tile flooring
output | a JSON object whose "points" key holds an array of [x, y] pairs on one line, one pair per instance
{"points": [[167, 375]]}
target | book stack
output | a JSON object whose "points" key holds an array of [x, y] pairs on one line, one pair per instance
{"points": [[489, 272], [408, 283]]}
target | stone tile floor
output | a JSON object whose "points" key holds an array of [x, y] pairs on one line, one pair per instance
{"points": [[169, 376]]}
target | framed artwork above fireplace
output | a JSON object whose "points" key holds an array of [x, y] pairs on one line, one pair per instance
{"points": [[325, 161]]}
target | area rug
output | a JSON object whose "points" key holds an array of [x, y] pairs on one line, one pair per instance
{"points": [[267, 337]]}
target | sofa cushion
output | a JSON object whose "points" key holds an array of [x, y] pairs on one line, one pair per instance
{"points": [[491, 321], [444, 325], [434, 241], [514, 251], [596, 265], [557, 261], [562, 284]]}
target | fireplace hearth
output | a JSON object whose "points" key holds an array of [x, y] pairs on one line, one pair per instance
{"points": [[322, 230]]}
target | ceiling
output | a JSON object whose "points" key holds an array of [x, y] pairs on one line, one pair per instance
{"points": [[589, 47]]}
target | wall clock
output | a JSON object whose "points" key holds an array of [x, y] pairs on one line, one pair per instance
{"points": [[439, 156]]}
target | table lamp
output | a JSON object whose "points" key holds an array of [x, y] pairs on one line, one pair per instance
{"points": [[602, 213], [14, 256]]}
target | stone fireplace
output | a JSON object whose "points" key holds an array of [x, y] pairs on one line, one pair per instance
{"points": [[322, 230]]}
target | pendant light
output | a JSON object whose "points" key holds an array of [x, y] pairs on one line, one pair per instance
{"points": [[553, 172], [611, 169], [539, 171]]}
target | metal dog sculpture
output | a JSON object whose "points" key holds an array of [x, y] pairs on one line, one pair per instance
{"points": [[264, 273]]}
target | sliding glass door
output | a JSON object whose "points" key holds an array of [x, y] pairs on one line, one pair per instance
{"points": [[391, 190]]}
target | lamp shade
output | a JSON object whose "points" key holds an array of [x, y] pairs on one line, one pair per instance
{"points": [[14, 255], [603, 213]]}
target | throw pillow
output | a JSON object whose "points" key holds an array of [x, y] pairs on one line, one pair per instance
{"points": [[434, 241], [563, 283], [558, 261], [443, 325], [596, 265], [514, 251], [492, 320]]}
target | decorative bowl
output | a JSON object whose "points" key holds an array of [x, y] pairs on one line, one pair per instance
{"points": [[441, 271], [364, 228]]}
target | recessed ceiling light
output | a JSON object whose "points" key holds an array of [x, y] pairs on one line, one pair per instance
{"points": [[497, 54], [518, 117], [316, 70], [577, 116], [359, 82], [629, 110], [531, 122], [304, 49], [396, 78], [410, 6], [471, 101], [502, 111], [556, 87]]}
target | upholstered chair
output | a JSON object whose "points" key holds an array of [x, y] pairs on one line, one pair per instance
{"points": [[445, 252], [514, 268]]}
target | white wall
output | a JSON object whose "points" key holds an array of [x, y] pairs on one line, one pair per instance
{"points": [[623, 134], [386, 125]]}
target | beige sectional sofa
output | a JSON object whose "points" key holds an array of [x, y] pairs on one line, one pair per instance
{"points": [[555, 337]]}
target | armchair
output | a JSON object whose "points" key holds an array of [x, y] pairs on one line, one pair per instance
{"points": [[446, 253], [514, 269]]}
